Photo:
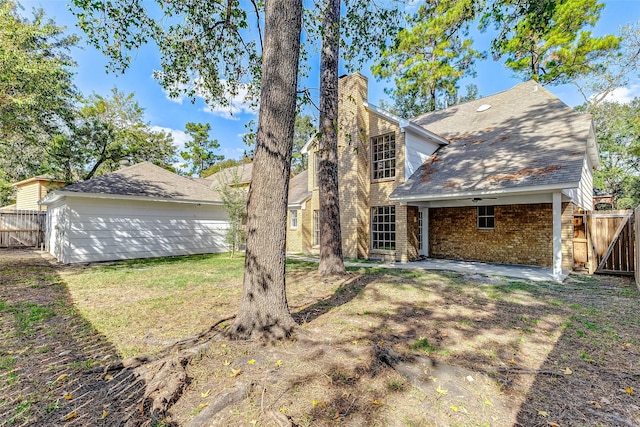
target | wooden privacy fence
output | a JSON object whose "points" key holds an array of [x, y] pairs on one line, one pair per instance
{"points": [[612, 243], [22, 228], [637, 235]]}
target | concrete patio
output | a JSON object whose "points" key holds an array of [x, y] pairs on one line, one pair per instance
{"points": [[537, 274]]}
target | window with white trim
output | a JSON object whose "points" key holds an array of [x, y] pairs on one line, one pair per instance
{"points": [[383, 228], [293, 218], [486, 218], [383, 156], [316, 228]]}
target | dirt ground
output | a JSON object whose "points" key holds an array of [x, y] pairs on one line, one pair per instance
{"points": [[438, 350]]}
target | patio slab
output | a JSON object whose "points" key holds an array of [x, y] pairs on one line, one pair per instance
{"points": [[537, 274]]}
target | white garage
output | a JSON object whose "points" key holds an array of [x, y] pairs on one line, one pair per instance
{"points": [[141, 211]]}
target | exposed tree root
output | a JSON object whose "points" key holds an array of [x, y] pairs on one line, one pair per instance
{"points": [[165, 373], [219, 402], [525, 371], [611, 417]]}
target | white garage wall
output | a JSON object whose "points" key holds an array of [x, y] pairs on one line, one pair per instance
{"points": [[111, 229]]}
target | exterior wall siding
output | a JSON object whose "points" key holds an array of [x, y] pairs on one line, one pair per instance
{"points": [[299, 239], [418, 152], [105, 230], [27, 197], [567, 235], [522, 235]]}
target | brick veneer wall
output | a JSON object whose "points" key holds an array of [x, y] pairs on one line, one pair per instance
{"points": [[523, 234]]}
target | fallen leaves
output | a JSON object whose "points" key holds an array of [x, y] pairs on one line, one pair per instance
{"points": [[205, 394], [70, 416], [441, 390], [543, 413], [235, 372], [567, 371], [629, 390]]}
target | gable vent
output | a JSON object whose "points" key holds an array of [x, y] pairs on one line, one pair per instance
{"points": [[483, 107]]}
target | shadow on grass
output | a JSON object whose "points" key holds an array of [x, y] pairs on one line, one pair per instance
{"points": [[49, 350]]}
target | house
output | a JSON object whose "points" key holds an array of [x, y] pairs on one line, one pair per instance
{"points": [[30, 191], [139, 211], [144, 211], [496, 179]]}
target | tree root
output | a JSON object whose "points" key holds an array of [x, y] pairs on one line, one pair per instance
{"points": [[525, 371], [611, 417], [164, 373], [221, 401]]}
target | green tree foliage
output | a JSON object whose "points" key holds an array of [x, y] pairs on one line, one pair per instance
{"points": [[234, 199], [200, 151], [37, 93], [106, 132], [304, 129], [207, 48], [548, 40], [618, 133], [429, 57]]}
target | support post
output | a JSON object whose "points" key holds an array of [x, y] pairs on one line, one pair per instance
{"points": [[557, 236]]}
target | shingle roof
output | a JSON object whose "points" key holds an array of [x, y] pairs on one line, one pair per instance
{"points": [[228, 175], [527, 137], [146, 180], [299, 188]]}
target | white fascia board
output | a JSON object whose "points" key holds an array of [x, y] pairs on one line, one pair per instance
{"points": [[299, 205], [593, 150], [56, 195], [309, 143], [406, 125], [500, 192]]}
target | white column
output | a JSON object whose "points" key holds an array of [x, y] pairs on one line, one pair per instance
{"points": [[557, 236]]}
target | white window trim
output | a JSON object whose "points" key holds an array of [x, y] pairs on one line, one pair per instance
{"points": [[394, 158], [478, 216], [378, 250]]}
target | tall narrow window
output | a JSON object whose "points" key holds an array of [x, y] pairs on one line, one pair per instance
{"points": [[486, 218], [383, 156], [293, 217], [383, 228], [316, 228]]}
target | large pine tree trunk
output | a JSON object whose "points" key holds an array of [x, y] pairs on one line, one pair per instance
{"points": [[330, 234], [263, 308]]}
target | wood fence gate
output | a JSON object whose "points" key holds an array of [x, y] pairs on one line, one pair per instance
{"points": [[604, 242], [22, 228]]}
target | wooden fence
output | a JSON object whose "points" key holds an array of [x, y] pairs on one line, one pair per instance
{"points": [[637, 234], [611, 236], [22, 228]]}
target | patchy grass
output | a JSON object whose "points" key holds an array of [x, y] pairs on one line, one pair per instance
{"points": [[467, 353]]}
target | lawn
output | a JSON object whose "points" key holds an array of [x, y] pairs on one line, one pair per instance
{"points": [[377, 347]]}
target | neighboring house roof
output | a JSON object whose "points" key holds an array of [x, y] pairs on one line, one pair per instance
{"points": [[42, 178], [514, 140], [142, 180], [298, 189], [8, 208], [228, 175]]}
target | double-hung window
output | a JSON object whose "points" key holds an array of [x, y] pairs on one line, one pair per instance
{"points": [[383, 156], [383, 228]]}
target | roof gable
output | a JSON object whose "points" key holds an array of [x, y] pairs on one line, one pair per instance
{"points": [[145, 180], [519, 138]]}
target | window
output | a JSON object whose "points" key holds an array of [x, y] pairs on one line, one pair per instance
{"points": [[293, 215], [486, 218], [383, 228], [316, 228], [383, 156]]}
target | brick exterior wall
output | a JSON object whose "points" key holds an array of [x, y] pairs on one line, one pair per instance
{"points": [[567, 235], [523, 234]]}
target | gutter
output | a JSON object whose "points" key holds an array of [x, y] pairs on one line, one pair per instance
{"points": [[58, 195]]}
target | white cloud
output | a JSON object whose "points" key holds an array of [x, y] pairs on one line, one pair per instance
{"points": [[179, 136], [625, 94], [237, 104]]}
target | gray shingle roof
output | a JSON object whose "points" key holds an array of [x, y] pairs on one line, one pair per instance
{"points": [[146, 180], [299, 188], [227, 175], [527, 137]]}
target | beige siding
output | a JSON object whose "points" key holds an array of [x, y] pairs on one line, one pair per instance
{"points": [[27, 196], [104, 230], [585, 189]]}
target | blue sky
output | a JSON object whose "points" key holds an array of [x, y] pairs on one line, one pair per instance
{"points": [[172, 115]]}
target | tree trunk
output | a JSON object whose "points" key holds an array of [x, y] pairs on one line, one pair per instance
{"points": [[263, 311], [330, 234]]}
